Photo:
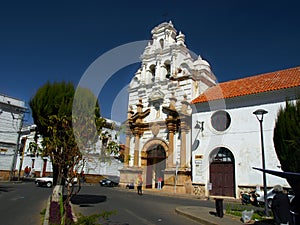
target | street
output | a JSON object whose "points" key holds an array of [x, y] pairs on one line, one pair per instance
{"points": [[21, 203], [131, 208]]}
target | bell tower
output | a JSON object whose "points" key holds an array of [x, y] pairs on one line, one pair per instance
{"points": [[158, 127]]}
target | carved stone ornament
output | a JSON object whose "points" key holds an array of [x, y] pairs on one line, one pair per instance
{"points": [[155, 129]]}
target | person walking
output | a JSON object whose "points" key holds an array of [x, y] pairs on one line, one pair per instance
{"points": [[159, 180], [26, 171], [139, 184], [280, 206]]}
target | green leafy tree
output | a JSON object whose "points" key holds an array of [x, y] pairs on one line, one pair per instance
{"points": [[70, 125], [287, 137], [87, 123], [51, 111], [52, 108]]}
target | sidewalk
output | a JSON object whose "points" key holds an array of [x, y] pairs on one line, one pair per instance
{"points": [[206, 216], [203, 215]]}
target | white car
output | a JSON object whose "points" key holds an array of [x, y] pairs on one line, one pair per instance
{"points": [[270, 195], [48, 181], [44, 181]]}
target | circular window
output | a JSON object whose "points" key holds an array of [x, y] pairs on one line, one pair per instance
{"points": [[220, 120]]}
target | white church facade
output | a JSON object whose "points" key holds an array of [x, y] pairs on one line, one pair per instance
{"points": [[200, 137], [228, 145], [158, 137]]}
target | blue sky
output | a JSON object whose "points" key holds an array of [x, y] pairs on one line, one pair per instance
{"points": [[44, 41]]}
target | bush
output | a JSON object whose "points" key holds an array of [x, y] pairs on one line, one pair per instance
{"points": [[236, 210], [92, 219]]}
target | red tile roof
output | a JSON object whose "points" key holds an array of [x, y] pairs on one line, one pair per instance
{"points": [[252, 85]]}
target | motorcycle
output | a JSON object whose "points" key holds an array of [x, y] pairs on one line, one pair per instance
{"points": [[249, 198]]}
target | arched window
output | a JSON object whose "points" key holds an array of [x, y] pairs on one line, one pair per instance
{"points": [[161, 41], [152, 71], [168, 69], [157, 152], [223, 155]]}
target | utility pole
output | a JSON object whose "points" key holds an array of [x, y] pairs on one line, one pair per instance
{"points": [[13, 165], [21, 159]]}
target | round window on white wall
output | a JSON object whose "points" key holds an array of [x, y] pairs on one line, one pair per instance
{"points": [[220, 120]]}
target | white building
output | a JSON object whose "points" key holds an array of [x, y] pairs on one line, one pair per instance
{"points": [[229, 144], [210, 146], [11, 119], [158, 127], [39, 166], [93, 165]]}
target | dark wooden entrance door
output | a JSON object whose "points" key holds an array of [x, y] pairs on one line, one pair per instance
{"points": [[222, 179], [156, 164]]}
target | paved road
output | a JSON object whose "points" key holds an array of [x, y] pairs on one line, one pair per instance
{"points": [[21, 203], [132, 208]]}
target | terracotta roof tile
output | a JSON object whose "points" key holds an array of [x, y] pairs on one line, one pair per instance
{"points": [[252, 85]]}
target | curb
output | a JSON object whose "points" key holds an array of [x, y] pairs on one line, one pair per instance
{"points": [[47, 213], [46, 218], [195, 218]]}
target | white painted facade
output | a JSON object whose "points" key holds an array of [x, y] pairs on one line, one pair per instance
{"points": [[168, 70], [242, 138], [11, 115], [93, 164]]}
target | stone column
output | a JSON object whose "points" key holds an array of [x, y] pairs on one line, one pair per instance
{"points": [[136, 150], [170, 162], [185, 118], [183, 146], [128, 136], [127, 148]]}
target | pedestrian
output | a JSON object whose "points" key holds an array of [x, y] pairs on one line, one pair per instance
{"points": [[139, 184], [159, 180], [82, 176], [32, 173], [280, 206], [26, 171]]}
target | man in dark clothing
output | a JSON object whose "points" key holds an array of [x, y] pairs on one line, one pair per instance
{"points": [[280, 206]]}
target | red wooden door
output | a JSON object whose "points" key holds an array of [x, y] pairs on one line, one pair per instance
{"points": [[222, 179]]}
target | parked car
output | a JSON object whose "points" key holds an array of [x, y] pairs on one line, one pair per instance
{"points": [[108, 183], [73, 181], [130, 185], [270, 195], [44, 181], [48, 181]]}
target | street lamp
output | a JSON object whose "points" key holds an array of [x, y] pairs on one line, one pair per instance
{"points": [[260, 116]]}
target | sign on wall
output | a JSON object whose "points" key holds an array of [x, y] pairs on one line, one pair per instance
{"points": [[198, 164]]}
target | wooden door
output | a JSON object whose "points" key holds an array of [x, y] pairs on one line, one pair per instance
{"points": [[222, 179]]}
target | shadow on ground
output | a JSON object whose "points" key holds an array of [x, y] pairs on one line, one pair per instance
{"points": [[87, 200], [264, 222], [5, 189]]}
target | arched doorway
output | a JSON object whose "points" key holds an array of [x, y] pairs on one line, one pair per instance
{"points": [[156, 164], [222, 172]]}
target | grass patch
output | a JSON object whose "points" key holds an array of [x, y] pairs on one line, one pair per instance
{"points": [[237, 210], [42, 213], [93, 219]]}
